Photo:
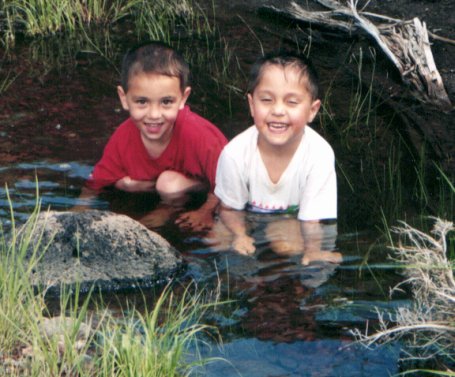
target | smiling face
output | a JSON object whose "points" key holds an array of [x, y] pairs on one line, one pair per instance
{"points": [[153, 101], [281, 106]]}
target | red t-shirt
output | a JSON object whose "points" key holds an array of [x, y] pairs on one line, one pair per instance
{"points": [[193, 151]]}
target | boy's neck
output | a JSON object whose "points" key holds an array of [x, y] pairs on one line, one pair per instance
{"points": [[276, 158], [155, 148], [279, 151]]}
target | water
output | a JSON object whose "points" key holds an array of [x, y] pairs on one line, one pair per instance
{"points": [[257, 358], [286, 319]]}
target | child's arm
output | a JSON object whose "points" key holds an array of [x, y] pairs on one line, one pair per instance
{"points": [[314, 233], [234, 220], [132, 185], [202, 218]]}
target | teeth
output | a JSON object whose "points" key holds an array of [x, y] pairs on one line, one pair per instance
{"points": [[277, 125]]}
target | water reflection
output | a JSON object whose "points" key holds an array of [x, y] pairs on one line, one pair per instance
{"points": [[274, 288], [57, 184], [328, 358], [312, 245], [288, 317]]}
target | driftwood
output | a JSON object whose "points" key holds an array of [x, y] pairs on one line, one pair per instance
{"points": [[405, 43]]}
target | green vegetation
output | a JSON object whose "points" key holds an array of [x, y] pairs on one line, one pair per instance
{"points": [[83, 21], [59, 32], [49, 17], [16, 295], [162, 341], [141, 346], [6, 82], [383, 177]]}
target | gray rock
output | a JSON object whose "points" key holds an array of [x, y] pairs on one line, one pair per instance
{"points": [[111, 250]]}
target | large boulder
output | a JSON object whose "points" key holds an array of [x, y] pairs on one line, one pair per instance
{"points": [[109, 250]]}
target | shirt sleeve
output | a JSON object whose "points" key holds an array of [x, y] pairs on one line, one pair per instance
{"points": [[319, 198], [231, 186]]}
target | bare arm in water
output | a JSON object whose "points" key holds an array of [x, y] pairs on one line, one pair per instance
{"points": [[133, 185], [316, 237], [201, 218], [234, 220]]}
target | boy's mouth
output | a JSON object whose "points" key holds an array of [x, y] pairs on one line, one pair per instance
{"points": [[153, 127], [277, 127]]}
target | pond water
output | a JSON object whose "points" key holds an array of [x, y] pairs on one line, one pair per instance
{"points": [[288, 319]]}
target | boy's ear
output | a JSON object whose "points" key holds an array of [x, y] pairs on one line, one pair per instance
{"points": [[122, 95], [186, 94], [315, 106]]}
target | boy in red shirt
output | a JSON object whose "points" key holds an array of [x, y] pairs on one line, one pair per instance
{"points": [[163, 146]]}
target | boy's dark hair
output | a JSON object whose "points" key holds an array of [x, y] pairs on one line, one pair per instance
{"points": [[154, 57], [284, 59]]}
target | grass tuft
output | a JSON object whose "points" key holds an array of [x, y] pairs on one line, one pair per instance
{"points": [[427, 326], [73, 340]]}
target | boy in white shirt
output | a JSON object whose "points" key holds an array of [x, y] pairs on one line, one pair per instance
{"points": [[280, 165]]}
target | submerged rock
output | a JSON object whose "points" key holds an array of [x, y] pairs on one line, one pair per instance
{"points": [[109, 250]]}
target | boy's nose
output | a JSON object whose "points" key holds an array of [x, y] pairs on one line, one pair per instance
{"points": [[154, 112], [278, 108]]}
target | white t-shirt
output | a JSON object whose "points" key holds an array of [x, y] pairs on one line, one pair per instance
{"points": [[308, 185]]}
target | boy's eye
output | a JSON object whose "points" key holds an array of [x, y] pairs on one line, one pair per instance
{"points": [[265, 99], [141, 101], [167, 101]]}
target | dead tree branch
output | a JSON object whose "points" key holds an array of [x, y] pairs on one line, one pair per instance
{"points": [[405, 43]]}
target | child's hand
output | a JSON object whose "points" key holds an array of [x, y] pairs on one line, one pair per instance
{"points": [[327, 256], [197, 221], [244, 245], [133, 185]]}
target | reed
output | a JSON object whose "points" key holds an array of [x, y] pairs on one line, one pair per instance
{"points": [[427, 327], [48, 17], [74, 340], [61, 29], [159, 342], [156, 19], [384, 180], [16, 295], [6, 81]]}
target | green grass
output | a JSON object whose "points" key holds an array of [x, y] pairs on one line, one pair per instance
{"points": [[161, 340], [157, 342], [6, 81], [48, 17], [17, 298], [60, 31], [384, 179], [158, 19]]}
